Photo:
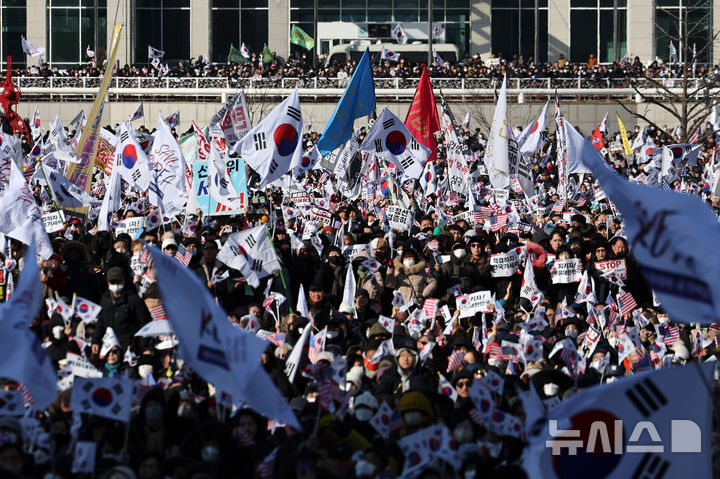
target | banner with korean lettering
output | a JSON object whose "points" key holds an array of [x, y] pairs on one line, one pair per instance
{"points": [[200, 197], [566, 271]]}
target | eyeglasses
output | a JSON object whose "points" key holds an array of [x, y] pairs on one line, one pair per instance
{"points": [[464, 384], [475, 245]]}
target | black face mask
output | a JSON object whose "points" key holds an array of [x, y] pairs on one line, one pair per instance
{"points": [[336, 260], [381, 255]]}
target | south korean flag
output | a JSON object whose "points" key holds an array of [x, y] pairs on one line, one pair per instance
{"points": [[646, 426], [305, 162], [275, 144], [390, 138], [106, 397], [252, 253]]}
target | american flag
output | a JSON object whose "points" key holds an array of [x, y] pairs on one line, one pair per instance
{"points": [[395, 421], [433, 245], [672, 335], [695, 137], [323, 178], [27, 397], [476, 417], [581, 201], [500, 222], [158, 313], [430, 307], [559, 206], [145, 255], [486, 212], [626, 302], [183, 255], [266, 468], [495, 351], [317, 345], [455, 361], [28, 169], [324, 399], [477, 344]]}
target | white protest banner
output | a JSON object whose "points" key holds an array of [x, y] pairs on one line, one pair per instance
{"points": [[468, 216], [81, 367], [566, 271], [618, 266], [320, 214], [131, 226], [300, 199], [399, 218], [350, 251], [474, 303], [54, 221], [505, 264], [501, 196]]}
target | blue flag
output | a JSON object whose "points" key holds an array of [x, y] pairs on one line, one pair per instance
{"points": [[358, 100]]}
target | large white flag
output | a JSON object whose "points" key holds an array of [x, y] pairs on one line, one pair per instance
{"points": [[138, 113], [651, 425], [276, 142], [390, 55], [291, 366], [64, 192], [220, 185], [575, 150], [233, 119], [533, 136], [155, 53], [496, 154], [20, 217], [306, 162], [672, 236], [399, 34], [390, 138], [252, 253], [31, 49], [112, 199], [350, 286], [457, 164], [30, 364], [167, 188], [133, 165], [218, 351]]}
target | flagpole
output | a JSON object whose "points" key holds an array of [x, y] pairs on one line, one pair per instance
{"points": [[282, 277], [52, 194]]}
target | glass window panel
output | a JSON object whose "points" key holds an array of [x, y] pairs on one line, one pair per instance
{"points": [[543, 23], [147, 3], [505, 32], [457, 16], [666, 29], [527, 3], [301, 16], [356, 15], [13, 25], [147, 32], [406, 15], [176, 34], [301, 3], [328, 3], [225, 31], [65, 3], [328, 15], [14, 3], [457, 33], [380, 16], [234, 4], [65, 35], [527, 33], [583, 34], [354, 4], [667, 3], [255, 28], [457, 4], [261, 4], [700, 32], [606, 47], [583, 3], [176, 3], [438, 15]]}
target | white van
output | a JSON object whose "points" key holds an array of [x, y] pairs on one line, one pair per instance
{"points": [[416, 53]]}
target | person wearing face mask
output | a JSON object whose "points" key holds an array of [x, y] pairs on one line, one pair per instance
{"points": [[331, 275], [416, 411], [60, 343], [122, 310], [374, 283], [409, 277], [148, 431], [456, 271]]}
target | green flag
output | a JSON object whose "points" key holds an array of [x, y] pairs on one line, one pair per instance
{"points": [[300, 38], [267, 55], [235, 56]]}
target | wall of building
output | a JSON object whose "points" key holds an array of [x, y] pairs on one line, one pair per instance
{"points": [[584, 115]]}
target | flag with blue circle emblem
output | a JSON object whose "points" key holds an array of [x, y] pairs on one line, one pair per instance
{"points": [[391, 139], [133, 164], [276, 142]]}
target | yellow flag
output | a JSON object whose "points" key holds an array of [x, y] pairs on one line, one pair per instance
{"points": [[623, 134], [81, 173]]}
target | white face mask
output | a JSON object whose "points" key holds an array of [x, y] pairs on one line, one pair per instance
{"points": [[614, 341], [116, 288], [413, 418], [144, 370], [571, 333], [364, 468], [595, 365], [363, 414], [209, 453], [57, 332], [408, 262], [459, 253], [464, 434], [550, 389], [494, 362]]}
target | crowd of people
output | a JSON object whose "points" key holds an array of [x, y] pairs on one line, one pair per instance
{"points": [[404, 353], [495, 66]]}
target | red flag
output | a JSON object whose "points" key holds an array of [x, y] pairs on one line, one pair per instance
{"points": [[422, 118], [597, 139]]}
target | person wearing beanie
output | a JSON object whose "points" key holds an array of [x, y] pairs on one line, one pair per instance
{"points": [[416, 411], [409, 277], [396, 380]]}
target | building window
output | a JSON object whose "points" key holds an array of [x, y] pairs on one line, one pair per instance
{"points": [[513, 28], [453, 14], [164, 24], [594, 25], [13, 18], [72, 27], [684, 23], [236, 23]]}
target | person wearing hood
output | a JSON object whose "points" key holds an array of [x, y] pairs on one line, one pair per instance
{"points": [[456, 271], [409, 277], [331, 275], [122, 311], [396, 380]]}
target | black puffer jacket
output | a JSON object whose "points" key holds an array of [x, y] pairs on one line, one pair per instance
{"points": [[125, 314]]}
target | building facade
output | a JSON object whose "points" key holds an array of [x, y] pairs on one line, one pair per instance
{"points": [[543, 29]]}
